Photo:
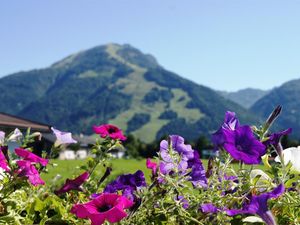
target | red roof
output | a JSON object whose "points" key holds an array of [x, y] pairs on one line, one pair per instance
{"points": [[11, 121]]}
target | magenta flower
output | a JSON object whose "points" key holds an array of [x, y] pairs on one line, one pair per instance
{"points": [[107, 206], [259, 205], [27, 169], [63, 138], [29, 156], [109, 130], [3, 159], [152, 166], [74, 184]]}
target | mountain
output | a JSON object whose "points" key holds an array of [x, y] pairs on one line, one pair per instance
{"points": [[116, 84], [244, 97], [286, 95]]}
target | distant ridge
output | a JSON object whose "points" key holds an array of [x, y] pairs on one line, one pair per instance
{"points": [[116, 84]]}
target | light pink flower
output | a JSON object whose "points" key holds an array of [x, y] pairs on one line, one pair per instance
{"points": [[109, 130], [62, 137], [107, 206], [29, 156]]}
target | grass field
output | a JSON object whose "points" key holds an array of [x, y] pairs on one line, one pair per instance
{"points": [[70, 168]]}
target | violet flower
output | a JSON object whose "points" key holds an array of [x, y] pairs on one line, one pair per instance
{"points": [[239, 141], [109, 130], [127, 183], [62, 138], [27, 169], [29, 156], [198, 176], [183, 201], [3, 159], [74, 184], [259, 205], [209, 208], [15, 136], [107, 206], [274, 138]]}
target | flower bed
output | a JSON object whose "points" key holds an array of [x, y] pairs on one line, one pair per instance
{"points": [[181, 190]]}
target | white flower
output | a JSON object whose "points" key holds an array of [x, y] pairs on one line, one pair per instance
{"points": [[2, 137], [291, 155], [62, 137], [16, 136], [263, 179]]}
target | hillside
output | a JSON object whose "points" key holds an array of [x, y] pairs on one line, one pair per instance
{"points": [[244, 97], [115, 84], [286, 95]]}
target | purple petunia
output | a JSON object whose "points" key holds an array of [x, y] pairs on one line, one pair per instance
{"points": [[3, 159], [198, 177], [259, 205], [128, 184], [274, 138], [74, 184], [239, 141]]}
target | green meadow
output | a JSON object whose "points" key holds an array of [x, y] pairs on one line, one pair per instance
{"points": [[71, 168]]}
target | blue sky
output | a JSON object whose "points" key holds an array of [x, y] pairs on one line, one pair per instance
{"points": [[223, 44]]}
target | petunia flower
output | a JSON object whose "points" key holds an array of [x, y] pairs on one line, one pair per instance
{"points": [[152, 166], [27, 169], [15, 136], [274, 138], [107, 206], [31, 157], [209, 208], [3, 159], [291, 155], [242, 145], [128, 184], [259, 205], [109, 130], [198, 176], [62, 138], [183, 201], [74, 184], [2, 138]]}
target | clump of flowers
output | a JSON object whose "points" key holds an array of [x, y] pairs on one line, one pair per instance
{"points": [[241, 184]]}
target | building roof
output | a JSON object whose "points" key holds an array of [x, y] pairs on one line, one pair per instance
{"points": [[10, 121]]}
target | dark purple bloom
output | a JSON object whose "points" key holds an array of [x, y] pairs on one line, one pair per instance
{"points": [[239, 141], [209, 208], [74, 184], [230, 123], [274, 138], [127, 183], [29, 156], [259, 205], [183, 201], [242, 145], [198, 177]]}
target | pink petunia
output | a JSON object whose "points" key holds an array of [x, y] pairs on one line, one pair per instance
{"points": [[109, 130], [26, 169], [107, 206], [151, 165], [74, 184], [3, 160], [29, 156]]}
